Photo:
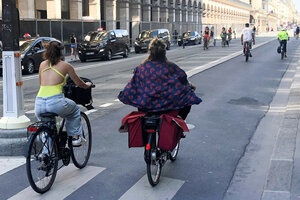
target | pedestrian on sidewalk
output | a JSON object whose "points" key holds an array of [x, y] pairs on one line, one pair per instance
{"points": [[73, 41]]}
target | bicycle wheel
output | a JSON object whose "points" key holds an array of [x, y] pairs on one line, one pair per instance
{"points": [[80, 155], [282, 54], [174, 153], [154, 167], [41, 160]]}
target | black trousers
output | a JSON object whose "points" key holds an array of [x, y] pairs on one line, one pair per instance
{"points": [[283, 42]]}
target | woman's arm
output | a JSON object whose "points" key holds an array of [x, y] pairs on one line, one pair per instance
{"points": [[76, 79]]}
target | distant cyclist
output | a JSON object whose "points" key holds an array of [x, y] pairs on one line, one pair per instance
{"points": [[283, 37], [247, 37], [206, 36], [297, 32]]}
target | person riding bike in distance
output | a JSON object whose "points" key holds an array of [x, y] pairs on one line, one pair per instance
{"points": [[159, 85], [50, 98], [207, 36], [247, 36], [223, 35], [283, 37]]}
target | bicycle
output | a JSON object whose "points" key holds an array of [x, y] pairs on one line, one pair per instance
{"points": [[205, 43], [154, 157], [48, 143], [247, 51]]}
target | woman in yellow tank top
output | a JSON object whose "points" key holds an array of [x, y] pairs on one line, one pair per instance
{"points": [[52, 75]]}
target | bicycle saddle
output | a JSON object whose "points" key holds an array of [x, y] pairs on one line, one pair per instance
{"points": [[49, 114]]}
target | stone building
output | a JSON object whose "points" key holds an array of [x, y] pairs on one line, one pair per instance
{"points": [[133, 15], [226, 13]]}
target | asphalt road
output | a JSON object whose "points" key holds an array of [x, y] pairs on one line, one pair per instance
{"points": [[235, 95]]}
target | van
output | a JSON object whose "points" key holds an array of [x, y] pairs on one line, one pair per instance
{"points": [[104, 44], [145, 37]]}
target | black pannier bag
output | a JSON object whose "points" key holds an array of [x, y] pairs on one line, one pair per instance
{"points": [[279, 49], [79, 95]]}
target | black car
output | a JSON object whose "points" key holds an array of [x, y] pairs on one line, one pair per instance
{"points": [[145, 37], [190, 38], [104, 44], [32, 53]]}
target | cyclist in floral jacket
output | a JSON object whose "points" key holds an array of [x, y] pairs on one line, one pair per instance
{"points": [[159, 85]]}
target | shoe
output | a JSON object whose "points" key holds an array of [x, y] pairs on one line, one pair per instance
{"points": [[76, 142], [285, 56], [183, 135], [250, 55]]}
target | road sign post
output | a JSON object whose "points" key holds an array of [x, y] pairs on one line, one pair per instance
{"points": [[14, 118]]}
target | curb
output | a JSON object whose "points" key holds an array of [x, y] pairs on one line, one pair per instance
{"points": [[13, 142]]}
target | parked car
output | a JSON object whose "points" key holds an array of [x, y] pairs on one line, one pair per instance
{"points": [[145, 37], [190, 38], [104, 44], [32, 53]]}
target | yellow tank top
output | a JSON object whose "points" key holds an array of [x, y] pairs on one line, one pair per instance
{"points": [[50, 90]]}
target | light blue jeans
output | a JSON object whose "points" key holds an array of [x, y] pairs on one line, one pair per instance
{"points": [[64, 107]]}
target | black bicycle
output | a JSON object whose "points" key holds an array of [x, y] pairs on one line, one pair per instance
{"points": [[205, 43], [247, 51], [49, 143], [155, 157]]}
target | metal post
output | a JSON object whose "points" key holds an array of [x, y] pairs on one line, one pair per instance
{"points": [[13, 124], [50, 24]]}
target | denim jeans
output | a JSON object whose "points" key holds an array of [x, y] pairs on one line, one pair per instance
{"points": [[64, 107]]}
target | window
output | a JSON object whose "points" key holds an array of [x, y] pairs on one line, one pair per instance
{"points": [[65, 9], [85, 8]]}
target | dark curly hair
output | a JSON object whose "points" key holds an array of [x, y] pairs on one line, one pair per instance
{"points": [[53, 52], [157, 51]]}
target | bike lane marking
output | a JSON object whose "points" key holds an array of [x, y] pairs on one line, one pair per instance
{"points": [[166, 189], [9, 163], [68, 180]]}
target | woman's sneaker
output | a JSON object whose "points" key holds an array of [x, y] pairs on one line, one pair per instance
{"points": [[76, 142]]}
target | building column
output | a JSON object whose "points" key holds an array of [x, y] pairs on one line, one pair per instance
{"points": [[110, 14], [155, 13], [190, 15], [75, 9], [26, 9], [178, 21], [136, 19], [94, 8], [124, 15], [147, 12], [164, 14], [171, 14], [53, 9]]}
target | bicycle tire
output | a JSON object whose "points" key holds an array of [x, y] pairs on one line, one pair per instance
{"points": [[153, 169], [247, 56], [85, 148], [29, 161], [282, 54], [174, 153]]}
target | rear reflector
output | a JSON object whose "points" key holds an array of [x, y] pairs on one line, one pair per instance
{"points": [[148, 147]]}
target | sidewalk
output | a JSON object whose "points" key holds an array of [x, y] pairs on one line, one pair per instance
{"points": [[270, 167]]}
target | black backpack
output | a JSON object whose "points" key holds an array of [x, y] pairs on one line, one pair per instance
{"points": [[78, 95]]}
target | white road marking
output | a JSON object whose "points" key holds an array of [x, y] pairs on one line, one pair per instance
{"points": [[90, 111], [105, 105], [30, 112], [190, 126], [117, 100], [166, 189], [68, 180], [10, 163]]}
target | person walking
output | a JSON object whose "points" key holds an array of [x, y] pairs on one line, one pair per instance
{"points": [[297, 32], [175, 36], [73, 41]]}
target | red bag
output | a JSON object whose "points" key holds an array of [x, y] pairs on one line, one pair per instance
{"points": [[132, 123], [170, 132]]}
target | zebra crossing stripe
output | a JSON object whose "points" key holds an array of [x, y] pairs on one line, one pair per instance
{"points": [[10, 163], [68, 180], [166, 189]]}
